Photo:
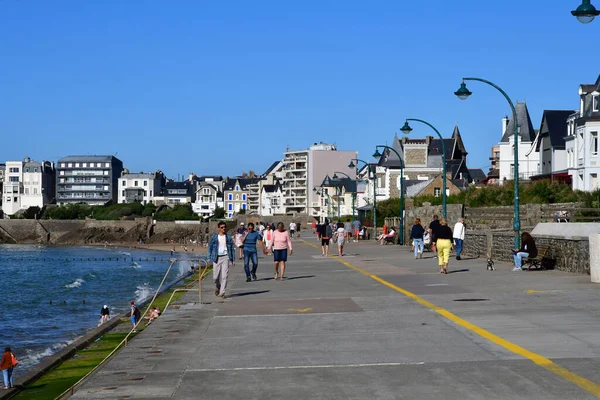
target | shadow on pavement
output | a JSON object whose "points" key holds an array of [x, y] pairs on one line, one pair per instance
{"points": [[300, 277], [459, 270], [248, 293]]}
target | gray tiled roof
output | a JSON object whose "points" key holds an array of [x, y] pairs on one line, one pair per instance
{"points": [[389, 158], [556, 125], [87, 158], [413, 187], [526, 133], [477, 174], [141, 175]]}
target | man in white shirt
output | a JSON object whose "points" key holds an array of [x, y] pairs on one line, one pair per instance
{"points": [[459, 236], [221, 252], [292, 229]]}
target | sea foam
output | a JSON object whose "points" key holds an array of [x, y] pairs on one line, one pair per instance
{"points": [[77, 283]]}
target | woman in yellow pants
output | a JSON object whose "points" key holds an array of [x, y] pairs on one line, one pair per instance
{"points": [[444, 244]]}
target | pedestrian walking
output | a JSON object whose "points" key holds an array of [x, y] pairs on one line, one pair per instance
{"points": [[282, 245], [268, 238], [528, 249], [444, 244], [348, 230], [416, 234], [325, 233], [434, 226], [356, 228], [136, 315], [340, 238], [104, 314], [239, 234], [7, 365], [250, 239], [459, 236], [314, 227], [221, 252], [292, 228]]}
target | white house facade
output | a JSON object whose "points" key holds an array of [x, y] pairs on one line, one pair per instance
{"points": [[208, 197], [582, 145], [140, 187], [27, 184], [528, 158], [271, 200]]}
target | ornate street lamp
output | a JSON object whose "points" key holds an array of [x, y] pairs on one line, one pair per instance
{"points": [[586, 12], [377, 154], [463, 93], [406, 129], [352, 165]]}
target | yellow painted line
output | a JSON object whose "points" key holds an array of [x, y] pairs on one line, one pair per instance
{"points": [[585, 384], [302, 310], [530, 291]]}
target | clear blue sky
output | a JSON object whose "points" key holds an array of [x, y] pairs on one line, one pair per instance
{"points": [[225, 87]]}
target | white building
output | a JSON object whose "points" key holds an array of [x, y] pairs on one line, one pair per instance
{"points": [[271, 200], [305, 169], [583, 161], [28, 184], [209, 196], [528, 158], [140, 187]]}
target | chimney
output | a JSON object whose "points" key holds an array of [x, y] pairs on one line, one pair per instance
{"points": [[504, 124]]}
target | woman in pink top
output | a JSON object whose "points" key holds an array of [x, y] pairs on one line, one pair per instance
{"points": [[281, 244]]}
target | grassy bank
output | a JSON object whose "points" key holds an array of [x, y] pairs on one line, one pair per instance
{"points": [[62, 377]]}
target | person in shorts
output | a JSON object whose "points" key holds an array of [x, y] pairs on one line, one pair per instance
{"points": [[136, 315], [292, 229], [281, 246], [325, 233]]}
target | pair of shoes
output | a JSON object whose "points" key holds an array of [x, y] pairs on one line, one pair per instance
{"points": [[458, 258], [254, 277], [276, 276], [217, 291], [6, 387], [420, 254], [517, 269], [248, 279], [445, 271], [441, 271], [322, 255], [223, 296], [416, 257]]}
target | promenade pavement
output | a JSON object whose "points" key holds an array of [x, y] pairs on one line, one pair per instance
{"points": [[374, 324]]}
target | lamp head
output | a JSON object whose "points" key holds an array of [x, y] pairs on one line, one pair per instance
{"points": [[377, 154], [334, 176], [351, 165], [463, 93], [586, 12], [406, 129]]}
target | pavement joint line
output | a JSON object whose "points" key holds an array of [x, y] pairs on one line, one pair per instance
{"points": [[396, 364], [289, 314], [549, 365]]}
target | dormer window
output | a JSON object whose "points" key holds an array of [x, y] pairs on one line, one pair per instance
{"points": [[237, 188], [595, 99]]}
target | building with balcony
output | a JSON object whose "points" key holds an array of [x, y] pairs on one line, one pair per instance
{"points": [[271, 200], [141, 187], [87, 179], [305, 169], [27, 184], [236, 192], [209, 196], [581, 143], [175, 193]]}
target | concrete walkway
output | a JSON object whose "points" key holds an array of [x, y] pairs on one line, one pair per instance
{"points": [[375, 324]]}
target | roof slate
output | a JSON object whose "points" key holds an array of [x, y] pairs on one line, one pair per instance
{"points": [[555, 122], [526, 133]]}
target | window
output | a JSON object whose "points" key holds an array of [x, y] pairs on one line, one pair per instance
{"points": [[244, 197], [512, 169], [135, 183], [8, 199], [229, 206], [84, 165], [229, 215], [237, 196], [13, 178], [151, 193], [229, 196], [594, 181], [16, 170], [124, 183], [594, 143], [243, 206], [62, 164], [237, 188], [35, 191], [107, 165], [206, 191], [26, 190], [145, 183], [595, 103], [70, 165], [76, 165], [123, 193], [437, 192]]}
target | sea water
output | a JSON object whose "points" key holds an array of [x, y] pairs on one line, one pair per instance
{"points": [[52, 295]]}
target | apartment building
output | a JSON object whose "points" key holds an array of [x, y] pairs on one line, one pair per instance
{"points": [[27, 184], [304, 170], [87, 179], [174, 193], [140, 187]]}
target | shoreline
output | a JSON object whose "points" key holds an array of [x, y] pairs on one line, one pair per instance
{"points": [[82, 342]]}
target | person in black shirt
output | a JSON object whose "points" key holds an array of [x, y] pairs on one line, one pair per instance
{"points": [[444, 245], [416, 234], [434, 226], [528, 249], [104, 314]]}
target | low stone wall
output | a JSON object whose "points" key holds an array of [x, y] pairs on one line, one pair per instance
{"points": [[565, 254]]}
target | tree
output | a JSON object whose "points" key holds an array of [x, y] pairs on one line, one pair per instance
{"points": [[242, 211], [219, 213]]}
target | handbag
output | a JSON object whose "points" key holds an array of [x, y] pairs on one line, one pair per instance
{"points": [[14, 360]]}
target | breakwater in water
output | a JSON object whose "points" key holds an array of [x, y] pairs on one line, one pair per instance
{"points": [[54, 294]]}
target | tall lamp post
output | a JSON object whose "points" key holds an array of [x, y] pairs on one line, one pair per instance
{"points": [[352, 165], [321, 193], [463, 93], [586, 12], [406, 129], [353, 194], [377, 154]]}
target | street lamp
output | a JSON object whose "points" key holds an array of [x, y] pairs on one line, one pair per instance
{"points": [[463, 93], [321, 193], [406, 129], [352, 165], [353, 194], [586, 12], [377, 154]]}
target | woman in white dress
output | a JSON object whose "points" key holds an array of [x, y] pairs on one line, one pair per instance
{"points": [[340, 238]]}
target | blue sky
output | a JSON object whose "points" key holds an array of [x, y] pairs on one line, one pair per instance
{"points": [[225, 87]]}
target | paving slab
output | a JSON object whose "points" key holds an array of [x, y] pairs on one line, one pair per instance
{"points": [[332, 332]]}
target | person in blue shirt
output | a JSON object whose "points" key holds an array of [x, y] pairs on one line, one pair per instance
{"points": [[250, 239], [221, 253]]}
